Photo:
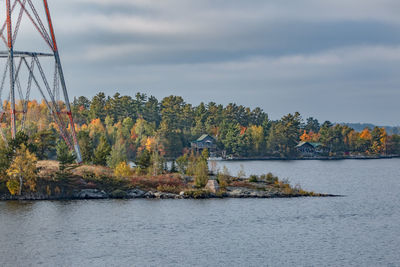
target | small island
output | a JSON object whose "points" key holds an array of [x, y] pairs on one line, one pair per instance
{"points": [[98, 182], [188, 178]]}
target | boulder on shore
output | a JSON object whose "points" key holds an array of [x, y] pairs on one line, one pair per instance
{"points": [[135, 193], [91, 194], [212, 186]]}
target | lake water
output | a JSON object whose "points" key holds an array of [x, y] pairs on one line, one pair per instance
{"points": [[360, 229]]}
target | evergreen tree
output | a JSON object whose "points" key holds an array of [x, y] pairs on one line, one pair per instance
{"points": [[97, 107], [101, 152], [86, 146], [65, 157], [45, 142], [117, 155]]}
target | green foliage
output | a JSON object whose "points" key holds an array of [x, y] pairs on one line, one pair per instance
{"points": [[65, 157], [284, 135], [197, 194], [97, 107], [86, 146], [201, 173], [21, 138], [45, 142], [117, 155], [253, 179], [101, 152], [182, 163], [269, 178], [143, 161], [169, 126], [5, 159], [118, 193]]}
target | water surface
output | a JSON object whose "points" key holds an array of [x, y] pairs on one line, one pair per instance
{"points": [[361, 228]]}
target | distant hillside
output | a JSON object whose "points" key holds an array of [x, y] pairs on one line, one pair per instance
{"points": [[361, 126]]}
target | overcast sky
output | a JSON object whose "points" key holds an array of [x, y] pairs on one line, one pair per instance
{"points": [[336, 60]]}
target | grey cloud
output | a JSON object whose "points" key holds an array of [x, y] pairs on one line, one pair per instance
{"points": [[334, 59]]}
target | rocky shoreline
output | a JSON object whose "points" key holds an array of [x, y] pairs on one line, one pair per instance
{"points": [[232, 192], [355, 157]]}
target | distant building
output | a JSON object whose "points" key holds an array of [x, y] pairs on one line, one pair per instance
{"points": [[204, 142], [309, 149]]}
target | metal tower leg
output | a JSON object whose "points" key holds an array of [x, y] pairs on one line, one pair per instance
{"points": [[11, 68], [62, 80]]}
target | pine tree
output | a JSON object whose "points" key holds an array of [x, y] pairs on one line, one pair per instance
{"points": [[86, 146], [64, 156], [101, 152]]}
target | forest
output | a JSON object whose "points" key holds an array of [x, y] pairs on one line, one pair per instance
{"points": [[123, 128], [114, 132]]}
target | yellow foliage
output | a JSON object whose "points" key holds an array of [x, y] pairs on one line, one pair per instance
{"points": [[150, 143], [13, 186], [123, 170], [257, 134], [23, 170]]}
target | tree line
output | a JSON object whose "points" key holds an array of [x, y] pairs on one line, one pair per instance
{"points": [[115, 129]]}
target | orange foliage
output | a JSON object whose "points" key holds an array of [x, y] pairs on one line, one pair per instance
{"points": [[305, 137], [310, 137], [243, 130], [366, 134]]}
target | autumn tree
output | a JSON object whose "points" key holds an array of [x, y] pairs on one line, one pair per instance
{"points": [[122, 170], [22, 172]]}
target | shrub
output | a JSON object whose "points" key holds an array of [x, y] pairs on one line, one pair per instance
{"points": [[196, 194], [169, 189], [118, 193], [152, 182], [122, 170], [201, 173], [253, 179], [269, 178]]}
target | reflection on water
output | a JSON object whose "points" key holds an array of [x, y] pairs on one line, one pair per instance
{"points": [[359, 229]]}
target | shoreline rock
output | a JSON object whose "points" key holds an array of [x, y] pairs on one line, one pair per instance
{"points": [[93, 194]]}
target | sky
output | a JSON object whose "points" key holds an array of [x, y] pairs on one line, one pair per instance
{"points": [[336, 60]]}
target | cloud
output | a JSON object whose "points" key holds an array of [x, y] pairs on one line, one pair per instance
{"points": [[332, 59]]}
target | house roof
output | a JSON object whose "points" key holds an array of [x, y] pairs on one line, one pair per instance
{"points": [[315, 145], [204, 136]]}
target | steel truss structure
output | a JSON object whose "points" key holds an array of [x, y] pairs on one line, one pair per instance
{"points": [[19, 63]]}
